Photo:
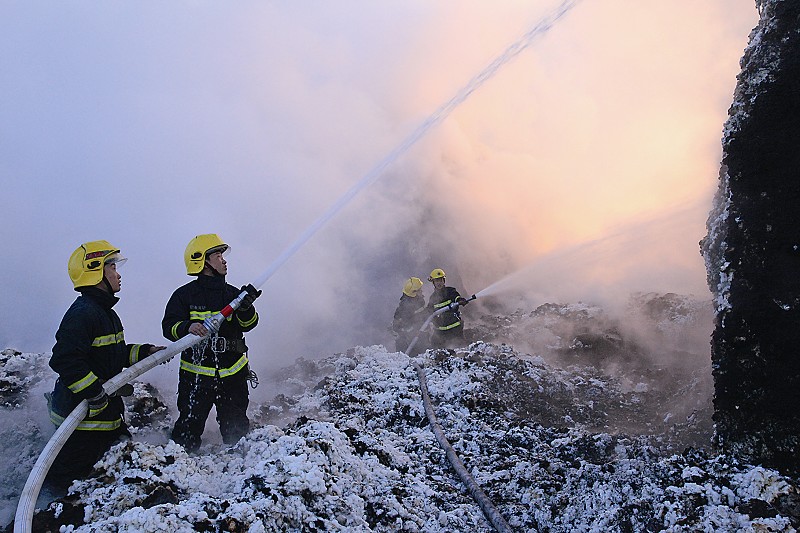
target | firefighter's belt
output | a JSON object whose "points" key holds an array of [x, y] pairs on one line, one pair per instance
{"points": [[221, 344]]}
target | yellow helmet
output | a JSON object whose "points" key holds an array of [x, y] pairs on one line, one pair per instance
{"points": [[197, 250], [86, 263], [436, 273], [412, 287]]}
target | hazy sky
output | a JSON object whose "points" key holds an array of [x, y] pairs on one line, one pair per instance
{"points": [[146, 123]]}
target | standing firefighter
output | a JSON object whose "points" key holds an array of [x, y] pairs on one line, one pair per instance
{"points": [[407, 316], [215, 371], [448, 330], [90, 349]]}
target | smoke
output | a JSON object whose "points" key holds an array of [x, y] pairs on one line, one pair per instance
{"points": [[484, 198], [146, 126]]}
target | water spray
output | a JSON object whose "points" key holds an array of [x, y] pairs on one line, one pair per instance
{"points": [[611, 248], [434, 119]]}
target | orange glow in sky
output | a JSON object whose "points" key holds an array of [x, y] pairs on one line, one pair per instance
{"points": [[614, 117]]}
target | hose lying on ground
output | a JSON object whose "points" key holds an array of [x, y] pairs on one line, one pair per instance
{"points": [[486, 505]]}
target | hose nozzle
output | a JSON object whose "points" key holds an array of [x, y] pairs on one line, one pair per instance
{"points": [[460, 302], [214, 322]]}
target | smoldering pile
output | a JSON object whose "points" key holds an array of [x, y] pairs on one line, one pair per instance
{"points": [[346, 446]]}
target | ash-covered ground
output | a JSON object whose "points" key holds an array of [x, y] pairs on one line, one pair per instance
{"points": [[571, 418]]}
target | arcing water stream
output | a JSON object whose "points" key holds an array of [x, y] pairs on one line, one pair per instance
{"points": [[640, 248], [435, 118]]}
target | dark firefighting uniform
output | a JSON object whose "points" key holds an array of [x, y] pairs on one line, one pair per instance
{"points": [[213, 372], [90, 349], [448, 330], [407, 320]]}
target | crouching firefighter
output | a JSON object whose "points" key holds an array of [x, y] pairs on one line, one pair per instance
{"points": [[408, 316], [215, 371], [90, 349]]}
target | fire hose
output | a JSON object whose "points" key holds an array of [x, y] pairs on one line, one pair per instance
{"points": [[489, 510]]}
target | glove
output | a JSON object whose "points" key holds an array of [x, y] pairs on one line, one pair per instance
{"points": [[252, 294], [462, 301], [98, 403]]}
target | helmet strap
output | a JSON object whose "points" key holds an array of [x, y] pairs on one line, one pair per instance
{"points": [[108, 285], [214, 272]]}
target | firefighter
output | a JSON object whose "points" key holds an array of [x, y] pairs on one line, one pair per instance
{"points": [[448, 329], [408, 317], [90, 349], [215, 371]]}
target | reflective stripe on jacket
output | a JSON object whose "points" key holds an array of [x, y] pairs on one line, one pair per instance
{"points": [[90, 349], [442, 298], [194, 302]]}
